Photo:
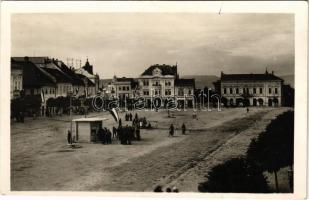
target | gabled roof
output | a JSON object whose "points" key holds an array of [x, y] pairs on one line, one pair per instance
{"points": [[36, 60], [88, 81], [33, 76], [185, 82], [69, 72], [124, 79], [165, 70], [59, 76], [16, 66], [249, 77]]}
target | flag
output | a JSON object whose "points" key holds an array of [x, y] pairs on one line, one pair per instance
{"points": [[42, 96], [114, 114]]}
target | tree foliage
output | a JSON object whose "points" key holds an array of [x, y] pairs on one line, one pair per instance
{"points": [[235, 175]]}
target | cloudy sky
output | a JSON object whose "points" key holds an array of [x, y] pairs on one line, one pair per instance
{"points": [[125, 44]]}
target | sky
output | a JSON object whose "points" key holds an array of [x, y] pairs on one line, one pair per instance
{"points": [[125, 44]]}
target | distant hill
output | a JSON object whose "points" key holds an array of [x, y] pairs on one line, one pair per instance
{"points": [[203, 80], [288, 79]]}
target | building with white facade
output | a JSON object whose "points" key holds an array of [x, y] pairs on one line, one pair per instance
{"points": [[250, 89], [16, 80], [163, 81]]}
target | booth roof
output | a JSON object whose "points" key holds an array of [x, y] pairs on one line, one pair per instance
{"points": [[90, 119]]}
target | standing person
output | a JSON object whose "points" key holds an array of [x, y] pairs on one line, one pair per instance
{"points": [[183, 128], [136, 117], [172, 129], [120, 134], [131, 116], [114, 132], [109, 136], [69, 137], [120, 123], [247, 109]]}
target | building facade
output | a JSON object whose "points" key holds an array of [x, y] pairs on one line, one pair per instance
{"points": [[16, 80], [163, 81], [250, 89], [122, 88]]}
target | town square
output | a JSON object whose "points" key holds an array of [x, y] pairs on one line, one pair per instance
{"points": [[152, 102]]}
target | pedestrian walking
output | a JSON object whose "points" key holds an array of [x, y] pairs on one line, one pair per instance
{"points": [[172, 129], [69, 137], [114, 132], [183, 128], [247, 109]]}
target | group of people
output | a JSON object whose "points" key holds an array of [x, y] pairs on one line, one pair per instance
{"points": [[129, 116], [104, 135], [168, 189], [172, 130]]}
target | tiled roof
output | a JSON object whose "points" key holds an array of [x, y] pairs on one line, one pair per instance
{"points": [[65, 69], [15, 65], [89, 82], [185, 82], [124, 79], [165, 69], [34, 77], [60, 77], [248, 77], [36, 60]]}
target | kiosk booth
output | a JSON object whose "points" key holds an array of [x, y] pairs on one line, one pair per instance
{"points": [[86, 129]]}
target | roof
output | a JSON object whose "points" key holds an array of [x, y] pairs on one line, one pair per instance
{"points": [[185, 82], [90, 119], [165, 70], [33, 76], [59, 76], [69, 72], [249, 77], [36, 60], [89, 82], [124, 79], [16, 66]]}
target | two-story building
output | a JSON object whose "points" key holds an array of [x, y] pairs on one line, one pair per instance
{"points": [[158, 80], [250, 89], [16, 79], [122, 88], [163, 81]]}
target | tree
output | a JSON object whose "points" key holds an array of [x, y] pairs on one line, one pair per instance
{"points": [[274, 148], [235, 175]]}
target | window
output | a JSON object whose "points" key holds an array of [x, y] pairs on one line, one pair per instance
{"points": [[128, 88], [119, 88], [167, 83], [168, 92], [124, 88], [254, 90], [146, 92], [189, 92], [261, 90], [231, 90], [180, 92], [224, 90], [237, 91], [145, 82], [276, 90], [156, 83], [269, 90]]}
